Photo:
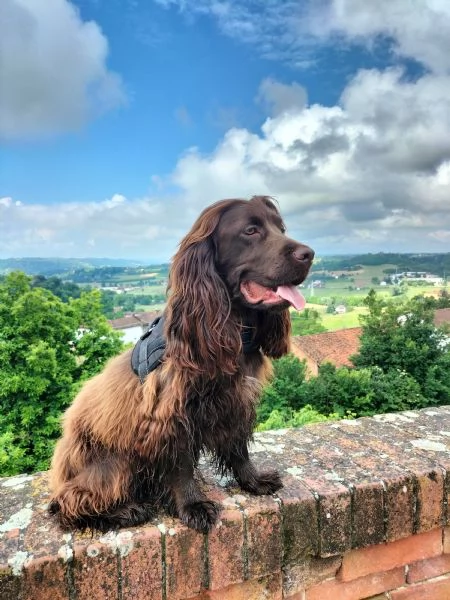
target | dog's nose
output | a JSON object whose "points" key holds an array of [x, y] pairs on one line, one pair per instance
{"points": [[304, 254]]}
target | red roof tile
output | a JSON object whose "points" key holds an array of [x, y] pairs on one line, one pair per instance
{"points": [[441, 316], [138, 318], [332, 346]]}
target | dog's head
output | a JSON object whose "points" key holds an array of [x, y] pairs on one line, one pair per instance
{"points": [[237, 257], [260, 264]]}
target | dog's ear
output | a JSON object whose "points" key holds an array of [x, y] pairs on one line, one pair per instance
{"points": [[274, 333], [200, 335]]}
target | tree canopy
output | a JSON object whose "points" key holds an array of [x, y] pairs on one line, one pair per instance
{"points": [[47, 348], [403, 363]]}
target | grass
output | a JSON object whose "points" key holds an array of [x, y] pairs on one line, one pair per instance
{"points": [[151, 290], [345, 321]]}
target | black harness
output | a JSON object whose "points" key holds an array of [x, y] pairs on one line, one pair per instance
{"points": [[149, 350]]}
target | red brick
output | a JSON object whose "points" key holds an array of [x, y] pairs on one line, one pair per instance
{"points": [[298, 577], [385, 557], [396, 442], [398, 499], [263, 528], [225, 550], [430, 498], [399, 505], [428, 569], [264, 588], [45, 578], [95, 570], [436, 589], [357, 589], [300, 521], [184, 561], [367, 514], [335, 523], [447, 540], [141, 566]]}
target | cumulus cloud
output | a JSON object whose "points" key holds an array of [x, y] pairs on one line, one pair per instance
{"points": [[114, 227], [368, 174], [277, 97], [419, 29], [53, 72], [371, 172]]}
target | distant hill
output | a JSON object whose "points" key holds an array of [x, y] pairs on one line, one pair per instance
{"points": [[436, 263], [61, 266]]}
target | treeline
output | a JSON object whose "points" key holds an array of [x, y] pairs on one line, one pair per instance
{"points": [[403, 363], [113, 304], [121, 275], [116, 305], [58, 266], [438, 264]]}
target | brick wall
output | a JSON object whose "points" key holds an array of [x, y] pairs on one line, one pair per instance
{"points": [[363, 514]]}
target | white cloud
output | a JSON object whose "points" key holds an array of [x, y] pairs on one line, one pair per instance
{"points": [[420, 29], [53, 73], [368, 174], [115, 227], [372, 172], [277, 97], [271, 26], [291, 30]]}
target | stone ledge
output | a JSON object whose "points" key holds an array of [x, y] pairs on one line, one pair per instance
{"points": [[347, 485]]}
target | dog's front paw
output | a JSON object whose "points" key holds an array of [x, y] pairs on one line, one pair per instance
{"points": [[201, 515], [265, 482]]}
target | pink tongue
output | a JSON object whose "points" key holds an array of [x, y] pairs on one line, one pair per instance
{"points": [[292, 295]]}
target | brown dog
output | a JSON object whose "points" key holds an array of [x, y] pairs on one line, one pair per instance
{"points": [[129, 446]]}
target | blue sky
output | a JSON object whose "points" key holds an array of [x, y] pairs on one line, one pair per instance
{"points": [[123, 119]]}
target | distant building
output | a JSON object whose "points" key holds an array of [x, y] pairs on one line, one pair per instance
{"points": [[340, 309], [133, 325], [421, 276]]}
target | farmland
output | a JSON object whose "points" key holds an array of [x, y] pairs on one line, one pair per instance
{"points": [[335, 282]]}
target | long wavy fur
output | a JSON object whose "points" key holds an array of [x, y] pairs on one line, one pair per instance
{"points": [[129, 447]]}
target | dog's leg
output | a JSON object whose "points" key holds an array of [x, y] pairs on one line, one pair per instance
{"points": [[99, 498], [246, 474], [191, 504]]}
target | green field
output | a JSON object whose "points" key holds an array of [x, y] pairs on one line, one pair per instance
{"points": [[349, 288], [149, 290]]}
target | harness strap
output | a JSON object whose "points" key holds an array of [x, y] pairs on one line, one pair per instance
{"points": [[149, 350]]}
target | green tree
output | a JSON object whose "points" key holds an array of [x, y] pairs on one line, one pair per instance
{"points": [[293, 418], [404, 338], [284, 391], [361, 392], [306, 322], [62, 289], [46, 348]]}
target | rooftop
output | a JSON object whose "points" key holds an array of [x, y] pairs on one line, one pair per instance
{"points": [[134, 320], [332, 346]]}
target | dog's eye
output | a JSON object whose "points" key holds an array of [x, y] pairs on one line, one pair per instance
{"points": [[251, 230], [283, 229]]}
